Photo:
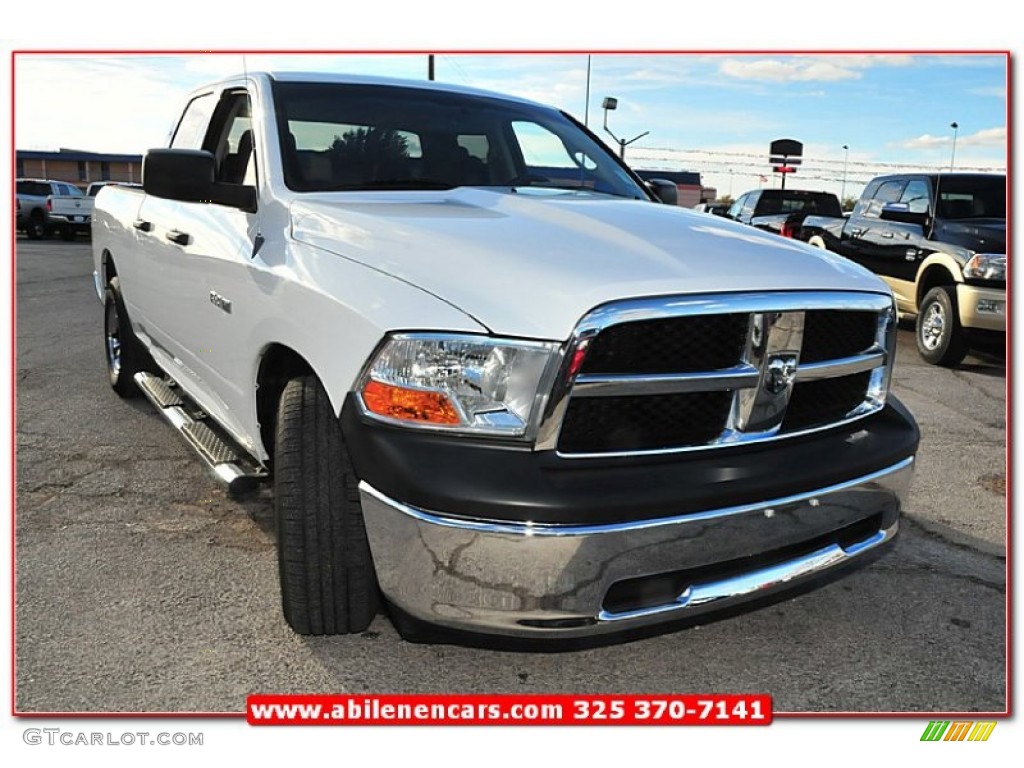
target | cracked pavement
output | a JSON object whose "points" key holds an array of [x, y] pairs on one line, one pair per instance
{"points": [[142, 587]]}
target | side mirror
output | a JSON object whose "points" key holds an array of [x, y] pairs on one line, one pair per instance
{"points": [[189, 175], [665, 190], [179, 174], [901, 212]]}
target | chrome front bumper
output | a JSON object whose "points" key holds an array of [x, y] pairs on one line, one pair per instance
{"points": [[522, 580]]}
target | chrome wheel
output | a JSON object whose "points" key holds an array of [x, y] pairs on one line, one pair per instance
{"points": [[113, 340], [940, 338], [933, 325]]}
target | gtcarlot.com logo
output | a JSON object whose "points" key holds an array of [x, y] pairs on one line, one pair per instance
{"points": [[958, 730], [59, 736]]}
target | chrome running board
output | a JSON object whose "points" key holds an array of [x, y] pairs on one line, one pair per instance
{"points": [[228, 463]]}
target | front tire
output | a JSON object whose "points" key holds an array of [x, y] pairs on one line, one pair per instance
{"points": [[124, 352], [940, 338], [328, 582]]}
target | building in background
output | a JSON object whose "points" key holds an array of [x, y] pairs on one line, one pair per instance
{"points": [[77, 167]]}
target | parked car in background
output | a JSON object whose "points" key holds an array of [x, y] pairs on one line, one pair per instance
{"points": [[718, 209], [782, 210], [31, 214], [70, 215], [94, 188], [939, 241]]}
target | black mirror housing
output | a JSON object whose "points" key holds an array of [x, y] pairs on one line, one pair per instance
{"points": [[189, 175], [665, 190], [179, 174]]}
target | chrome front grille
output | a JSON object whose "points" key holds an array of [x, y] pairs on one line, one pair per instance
{"points": [[697, 372]]}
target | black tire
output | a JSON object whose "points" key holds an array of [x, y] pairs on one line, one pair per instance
{"points": [[36, 229], [328, 583], [124, 353], [940, 338]]}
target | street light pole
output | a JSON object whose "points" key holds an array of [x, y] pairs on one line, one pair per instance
{"points": [[611, 103], [586, 101], [846, 159], [952, 156]]}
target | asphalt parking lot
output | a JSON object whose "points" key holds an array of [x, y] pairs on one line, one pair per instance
{"points": [[141, 587]]}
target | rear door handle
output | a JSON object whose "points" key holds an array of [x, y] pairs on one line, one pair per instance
{"points": [[176, 236], [886, 235], [142, 225], [855, 231]]}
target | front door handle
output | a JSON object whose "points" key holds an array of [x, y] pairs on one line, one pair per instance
{"points": [[886, 235], [142, 225], [181, 238], [855, 231]]}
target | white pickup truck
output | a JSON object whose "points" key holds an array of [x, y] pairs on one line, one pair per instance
{"points": [[70, 215], [497, 386]]}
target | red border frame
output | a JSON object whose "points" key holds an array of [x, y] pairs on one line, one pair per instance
{"points": [[537, 51]]}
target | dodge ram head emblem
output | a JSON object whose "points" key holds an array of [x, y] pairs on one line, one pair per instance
{"points": [[780, 373]]}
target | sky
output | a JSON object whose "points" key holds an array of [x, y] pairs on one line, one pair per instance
{"points": [[705, 112], [711, 113]]}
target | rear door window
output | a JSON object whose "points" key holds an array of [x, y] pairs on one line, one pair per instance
{"points": [[36, 188]]}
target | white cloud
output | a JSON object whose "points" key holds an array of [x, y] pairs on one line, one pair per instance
{"points": [[824, 68], [988, 137], [102, 104], [998, 92], [926, 141]]}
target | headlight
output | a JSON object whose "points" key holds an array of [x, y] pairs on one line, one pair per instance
{"points": [[471, 384], [986, 266], [885, 338]]}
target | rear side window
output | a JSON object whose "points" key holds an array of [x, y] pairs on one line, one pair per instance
{"points": [[37, 188], [192, 128]]}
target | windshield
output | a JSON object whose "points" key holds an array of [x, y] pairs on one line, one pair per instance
{"points": [[972, 197], [358, 137]]}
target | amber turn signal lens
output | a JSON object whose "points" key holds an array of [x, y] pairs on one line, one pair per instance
{"points": [[409, 404]]}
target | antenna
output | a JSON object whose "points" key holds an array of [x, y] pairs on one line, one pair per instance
{"points": [[258, 239]]}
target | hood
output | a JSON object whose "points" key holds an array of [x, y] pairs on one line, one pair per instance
{"points": [[978, 235], [531, 263]]}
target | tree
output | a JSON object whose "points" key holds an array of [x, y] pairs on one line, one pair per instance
{"points": [[371, 152], [849, 203], [725, 200]]}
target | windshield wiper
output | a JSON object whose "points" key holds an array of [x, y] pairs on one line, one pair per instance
{"points": [[391, 184], [557, 185], [543, 182]]}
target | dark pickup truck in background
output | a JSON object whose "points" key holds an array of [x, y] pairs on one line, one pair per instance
{"points": [[782, 211], [939, 241]]}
